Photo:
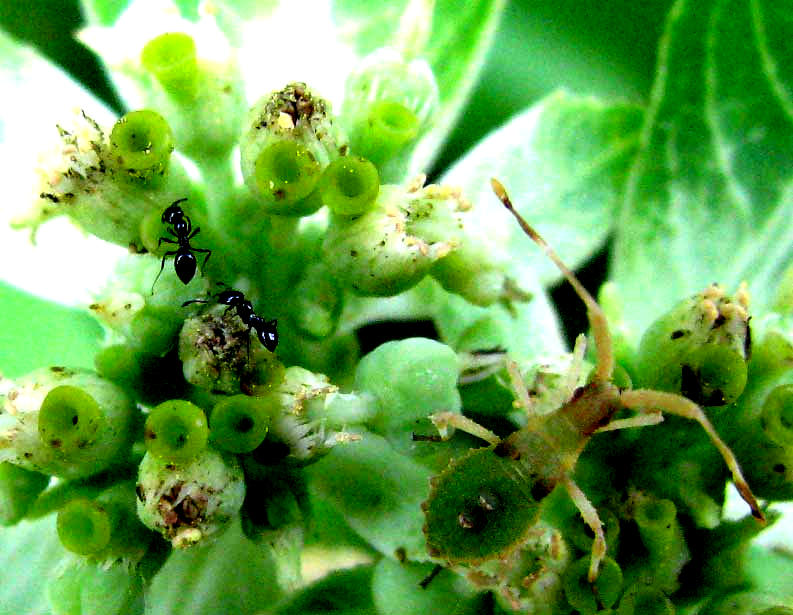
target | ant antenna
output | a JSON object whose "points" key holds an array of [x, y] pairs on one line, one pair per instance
{"points": [[600, 330]]}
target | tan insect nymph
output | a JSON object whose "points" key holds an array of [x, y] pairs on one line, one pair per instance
{"points": [[485, 503]]}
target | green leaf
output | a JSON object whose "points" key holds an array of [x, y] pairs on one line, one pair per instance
{"points": [[564, 161], [771, 571], [453, 39], [229, 575], [709, 197], [345, 592], [36, 333], [103, 12], [82, 587], [29, 553], [378, 491]]}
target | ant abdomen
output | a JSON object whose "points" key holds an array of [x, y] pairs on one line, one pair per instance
{"points": [[477, 507]]}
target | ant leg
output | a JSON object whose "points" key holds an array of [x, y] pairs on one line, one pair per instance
{"points": [[444, 420], [162, 266], [166, 240], [681, 406], [209, 252], [597, 319], [591, 518]]}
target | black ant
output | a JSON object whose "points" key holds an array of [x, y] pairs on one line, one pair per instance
{"points": [[184, 262], [266, 330]]}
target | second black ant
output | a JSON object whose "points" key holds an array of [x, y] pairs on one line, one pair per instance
{"points": [[266, 330], [184, 262]]}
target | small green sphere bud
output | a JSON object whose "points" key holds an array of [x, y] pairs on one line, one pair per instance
{"points": [[69, 419], [84, 527], [286, 174], [176, 431], [411, 379], [239, 423], [349, 185], [141, 143], [586, 597], [171, 58]]}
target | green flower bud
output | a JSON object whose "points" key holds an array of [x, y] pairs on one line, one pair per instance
{"points": [[203, 99], [141, 143], [475, 268], [388, 102], [188, 502], [18, 490], [176, 431], [221, 354], [240, 423], [378, 253], [663, 537], [106, 527], [349, 185], [699, 348], [304, 410], [586, 597], [65, 422], [84, 527], [87, 177], [410, 379], [171, 58], [289, 140]]}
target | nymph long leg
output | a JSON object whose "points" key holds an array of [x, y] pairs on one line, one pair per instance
{"points": [[444, 420], [591, 518], [681, 406], [597, 319], [640, 420]]}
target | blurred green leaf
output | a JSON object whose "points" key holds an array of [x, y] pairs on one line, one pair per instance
{"points": [[229, 575], [82, 587], [345, 592], [564, 162], [36, 333], [29, 553], [709, 198], [103, 12]]}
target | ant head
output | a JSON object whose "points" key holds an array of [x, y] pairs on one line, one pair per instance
{"points": [[173, 213]]}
